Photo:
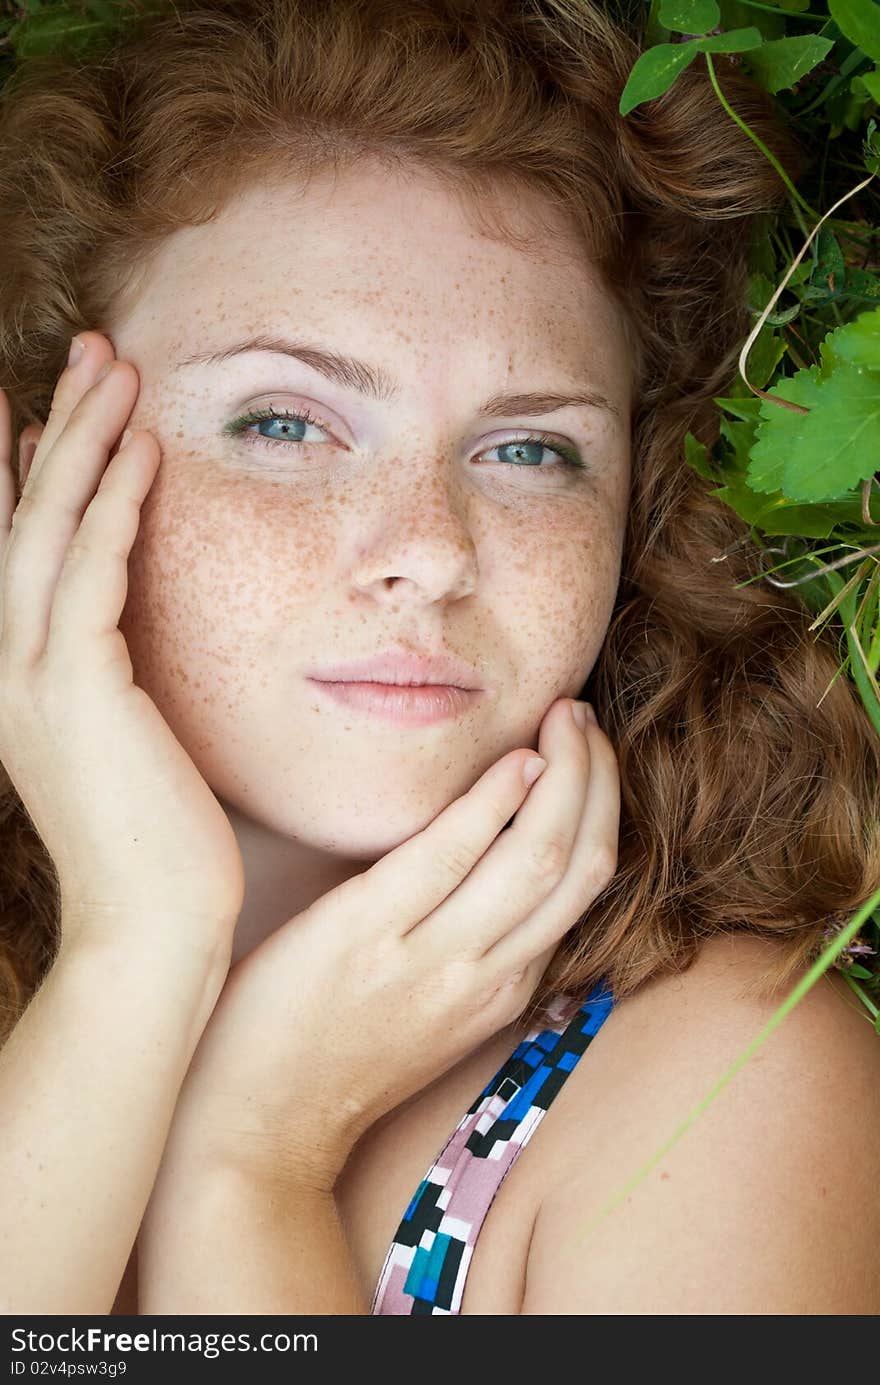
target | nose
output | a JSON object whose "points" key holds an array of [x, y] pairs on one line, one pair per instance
{"points": [[419, 543]]}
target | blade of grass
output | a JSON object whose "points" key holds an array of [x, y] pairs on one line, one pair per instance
{"points": [[819, 967]]}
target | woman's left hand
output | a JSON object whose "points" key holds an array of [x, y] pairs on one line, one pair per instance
{"points": [[388, 980]]}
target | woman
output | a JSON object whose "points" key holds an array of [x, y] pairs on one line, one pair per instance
{"points": [[406, 328]]}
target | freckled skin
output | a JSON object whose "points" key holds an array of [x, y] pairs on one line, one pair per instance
{"points": [[255, 563]]}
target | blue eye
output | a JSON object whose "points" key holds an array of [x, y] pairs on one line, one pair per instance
{"points": [[293, 420]]}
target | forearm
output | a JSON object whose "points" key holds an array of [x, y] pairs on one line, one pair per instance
{"points": [[223, 1242], [89, 1078]]}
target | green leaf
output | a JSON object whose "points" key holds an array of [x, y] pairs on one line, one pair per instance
{"points": [[860, 284], [78, 27], [871, 147], [736, 41], [105, 11], [859, 21], [765, 353], [654, 72], [857, 342], [869, 81], [859, 972], [43, 32], [746, 407], [760, 291], [781, 62], [697, 458], [828, 275], [822, 454], [779, 428], [689, 16], [777, 517]]}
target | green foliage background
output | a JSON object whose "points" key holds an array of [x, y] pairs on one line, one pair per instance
{"points": [[800, 421]]}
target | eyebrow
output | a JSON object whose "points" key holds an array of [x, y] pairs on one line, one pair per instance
{"points": [[375, 383]]}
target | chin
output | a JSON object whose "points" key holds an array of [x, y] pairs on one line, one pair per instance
{"points": [[369, 836]]}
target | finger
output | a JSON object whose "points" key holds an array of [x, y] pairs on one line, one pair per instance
{"points": [[591, 869], [70, 387], [527, 862], [27, 446], [93, 584], [8, 490], [7, 480], [434, 861], [51, 509]]}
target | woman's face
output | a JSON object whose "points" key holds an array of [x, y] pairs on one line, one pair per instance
{"points": [[413, 520]]}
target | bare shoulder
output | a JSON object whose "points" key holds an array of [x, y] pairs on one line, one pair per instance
{"points": [[766, 1203]]}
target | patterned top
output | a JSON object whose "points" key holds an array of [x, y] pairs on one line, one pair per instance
{"points": [[428, 1260]]}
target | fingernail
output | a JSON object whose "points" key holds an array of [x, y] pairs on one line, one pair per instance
{"points": [[532, 769], [591, 715], [579, 717], [76, 352]]}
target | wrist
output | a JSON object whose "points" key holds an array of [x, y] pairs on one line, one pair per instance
{"points": [[183, 973], [238, 1144], [146, 940]]}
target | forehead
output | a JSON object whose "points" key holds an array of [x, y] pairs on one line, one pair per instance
{"points": [[374, 251]]}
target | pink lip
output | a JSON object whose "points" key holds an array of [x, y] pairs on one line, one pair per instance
{"points": [[405, 706], [401, 666]]}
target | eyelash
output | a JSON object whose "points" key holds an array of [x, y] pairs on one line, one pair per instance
{"points": [[237, 428]]}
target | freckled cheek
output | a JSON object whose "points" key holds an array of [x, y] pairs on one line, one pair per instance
{"points": [[218, 569], [559, 598]]}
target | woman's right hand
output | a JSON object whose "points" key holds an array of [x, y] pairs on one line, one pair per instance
{"points": [[133, 829]]}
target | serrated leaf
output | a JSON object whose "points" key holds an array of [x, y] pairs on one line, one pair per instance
{"points": [[781, 62], [689, 16], [779, 429], [859, 21], [825, 453], [857, 342], [654, 72]]}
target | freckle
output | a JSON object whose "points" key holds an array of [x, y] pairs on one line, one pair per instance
{"points": [[664, 1175], [822, 1192]]}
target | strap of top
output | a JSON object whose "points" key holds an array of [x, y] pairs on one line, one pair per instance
{"points": [[428, 1260]]}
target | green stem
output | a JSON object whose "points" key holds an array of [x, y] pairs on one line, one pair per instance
{"points": [[819, 967], [771, 157], [862, 995]]}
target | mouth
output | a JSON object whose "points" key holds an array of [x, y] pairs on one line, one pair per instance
{"points": [[418, 704]]}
